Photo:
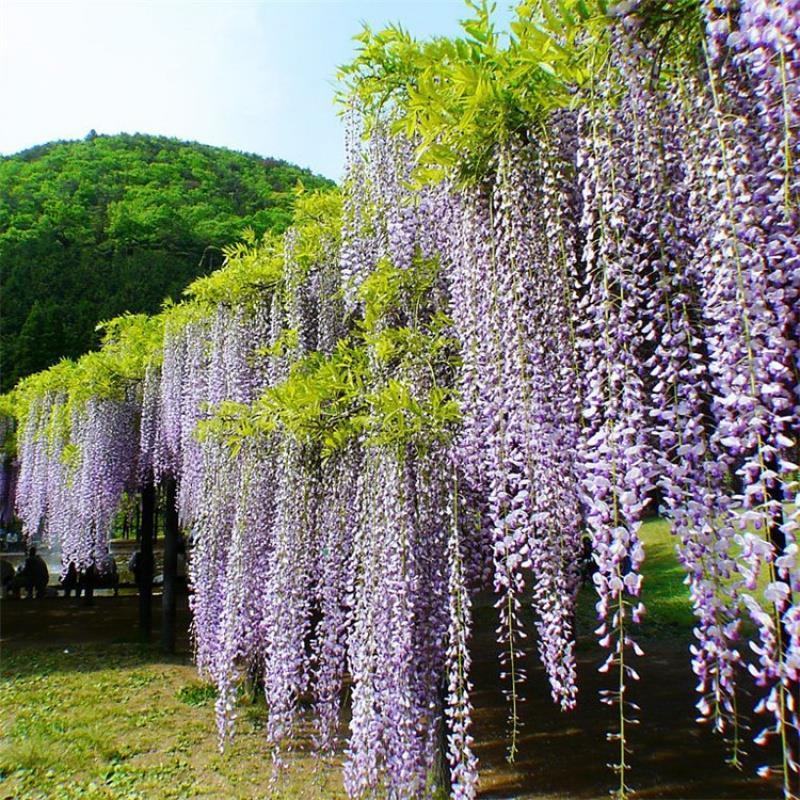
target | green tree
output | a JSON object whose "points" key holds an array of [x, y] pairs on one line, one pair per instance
{"points": [[40, 338], [94, 228]]}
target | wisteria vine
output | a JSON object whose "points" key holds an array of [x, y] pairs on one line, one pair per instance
{"points": [[533, 315]]}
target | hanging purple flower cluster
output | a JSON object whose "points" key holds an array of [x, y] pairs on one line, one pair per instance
{"points": [[394, 646], [517, 386], [251, 515], [505, 281], [692, 466], [211, 536], [614, 452], [688, 335], [337, 519], [205, 361], [35, 466], [383, 217], [77, 460], [749, 261], [288, 592], [463, 762]]}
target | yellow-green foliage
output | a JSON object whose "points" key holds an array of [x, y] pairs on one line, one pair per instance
{"points": [[317, 227], [360, 390], [459, 97]]}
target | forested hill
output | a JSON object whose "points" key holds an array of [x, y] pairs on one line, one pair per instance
{"points": [[91, 229]]}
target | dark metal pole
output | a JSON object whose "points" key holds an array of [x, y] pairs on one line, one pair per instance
{"points": [[443, 776], [171, 534], [146, 574]]}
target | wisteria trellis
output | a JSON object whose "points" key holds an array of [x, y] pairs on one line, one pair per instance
{"points": [[622, 287]]}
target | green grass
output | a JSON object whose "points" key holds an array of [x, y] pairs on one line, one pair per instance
{"points": [[664, 592], [119, 722], [197, 694]]}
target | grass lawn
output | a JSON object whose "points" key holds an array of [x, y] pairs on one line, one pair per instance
{"points": [[664, 593], [120, 722], [86, 714]]}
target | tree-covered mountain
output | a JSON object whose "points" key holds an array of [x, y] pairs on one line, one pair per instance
{"points": [[91, 229]]}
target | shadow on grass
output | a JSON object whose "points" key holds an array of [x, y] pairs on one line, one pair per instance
{"points": [[58, 634], [37, 661]]}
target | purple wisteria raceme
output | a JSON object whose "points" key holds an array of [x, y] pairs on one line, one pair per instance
{"points": [[76, 466], [210, 538], [399, 608], [750, 275], [621, 256], [463, 762], [40, 457], [337, 520], [357, 253], [464, 260], [286, 622], [692, 464], [519, 430], [205, 361], [382, 216]]}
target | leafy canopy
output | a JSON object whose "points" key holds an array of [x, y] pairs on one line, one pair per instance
{"points": [[364, 390], [458, 98]]}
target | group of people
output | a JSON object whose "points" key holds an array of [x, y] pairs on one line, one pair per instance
{"points": [[85, 581], [32, 576]]}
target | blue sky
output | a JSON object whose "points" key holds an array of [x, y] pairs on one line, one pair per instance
{"points": [[253, 76]]}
